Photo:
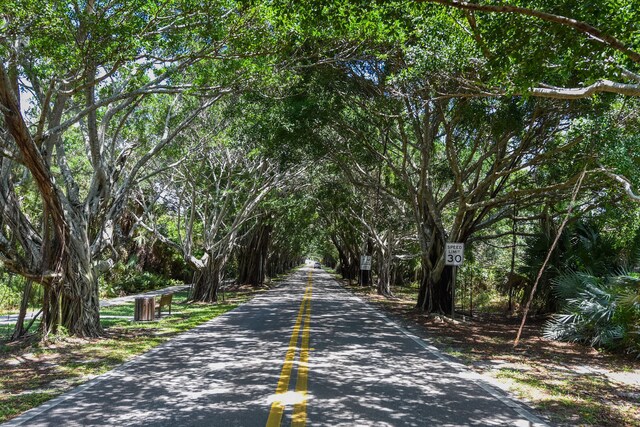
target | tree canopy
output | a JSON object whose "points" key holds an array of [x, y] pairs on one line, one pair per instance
{"points": [[245, 136]]}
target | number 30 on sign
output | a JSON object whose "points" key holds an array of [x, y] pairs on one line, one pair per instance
{"points": [[454, 254]]}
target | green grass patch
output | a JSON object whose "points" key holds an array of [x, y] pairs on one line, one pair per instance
{"points": [[12, 406], [7, 329], [409, 290], [524, 378], [460, 354], [118, 310]]}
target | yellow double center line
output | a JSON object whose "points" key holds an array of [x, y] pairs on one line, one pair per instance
{"points": [[303, 321]]}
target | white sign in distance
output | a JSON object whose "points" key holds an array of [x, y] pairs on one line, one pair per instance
{"points": [[454, 254], [365, 262]]}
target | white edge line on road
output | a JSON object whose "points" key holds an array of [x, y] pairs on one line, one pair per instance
{"points": [[461, 369]]}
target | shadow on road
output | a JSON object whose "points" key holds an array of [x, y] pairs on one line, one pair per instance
{"points": [[224, 373]]}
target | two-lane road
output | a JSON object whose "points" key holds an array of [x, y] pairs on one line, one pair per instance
{"points": [[306, 352]]}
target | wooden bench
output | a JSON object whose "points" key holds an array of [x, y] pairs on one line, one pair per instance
{"points": [[164, 301]]}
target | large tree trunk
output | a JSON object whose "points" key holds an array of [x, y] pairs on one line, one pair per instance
{"points": [[384, 275], [208, 279], [385, 266], [19, 330], [80, 303], [72, 301], [65, 269], [253, 257], [276, 264], [349, 263], [344, 269], [435, 292], [435, 288]]}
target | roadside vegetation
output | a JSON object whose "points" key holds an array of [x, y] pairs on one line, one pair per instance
{"points": [[216, 142]]}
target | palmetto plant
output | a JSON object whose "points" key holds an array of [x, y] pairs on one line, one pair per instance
{"points": [[583, 247], [599, 311]]}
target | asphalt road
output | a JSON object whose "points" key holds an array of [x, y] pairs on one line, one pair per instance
{"points": [[306, 352]]}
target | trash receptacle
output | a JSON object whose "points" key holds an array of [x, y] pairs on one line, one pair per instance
{"points": [[145, 309]]}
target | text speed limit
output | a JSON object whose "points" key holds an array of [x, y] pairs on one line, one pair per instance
{"points": [[454, 254]]}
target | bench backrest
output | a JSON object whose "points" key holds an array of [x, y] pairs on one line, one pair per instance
{"points": [[165, 299]]}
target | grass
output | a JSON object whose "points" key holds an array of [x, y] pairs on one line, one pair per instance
{"points": [[7, 329], [119, 310], [32, 372], [460, 355], [10, 407]]}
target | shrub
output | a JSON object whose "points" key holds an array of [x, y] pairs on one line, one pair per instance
{"points": [[126, 279], [599, 311], [11, 289]]}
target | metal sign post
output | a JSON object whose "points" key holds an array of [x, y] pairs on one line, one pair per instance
{"points": [[453, 256], [365, 262], [453, 293]]}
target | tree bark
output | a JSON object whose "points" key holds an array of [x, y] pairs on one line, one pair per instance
{"points": [[349, 264], [435, 288], [71, 284], [208, 279], [252, 258], [80, 303], [19, 329], [435, 292], [385, 266]]}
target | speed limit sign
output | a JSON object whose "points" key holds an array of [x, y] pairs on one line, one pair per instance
{"points": [[454, 254]]}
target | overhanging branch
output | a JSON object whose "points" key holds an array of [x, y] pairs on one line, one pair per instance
{"points": [[626, 184], [579, 26]]}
